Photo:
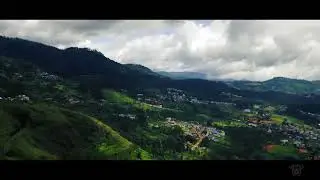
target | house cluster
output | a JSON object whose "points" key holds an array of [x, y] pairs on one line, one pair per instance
{"points": [[196, 130], [130, 116], [230, 95], [310, 114], [257, 110], [213, 133], [297, 143], [179, 98], [176, 95], [256, 120], [195, 100], [297, 135], [20, 97], [48, 76], [173, 90], [301, 139], [282, 108], [23, 97], [151, 101], [222, 103]]}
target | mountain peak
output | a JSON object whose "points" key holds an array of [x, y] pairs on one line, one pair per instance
{"points": [[280, 78], [84, 50]]}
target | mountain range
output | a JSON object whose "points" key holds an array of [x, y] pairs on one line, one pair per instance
{"points": [[95, 71], [279, 84], [184, 75], [77, 95]]}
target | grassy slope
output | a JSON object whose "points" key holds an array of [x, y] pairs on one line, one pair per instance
{"points": [[280, 118], [119, 98], [47, 132]]}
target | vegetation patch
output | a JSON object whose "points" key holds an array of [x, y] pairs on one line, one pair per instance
{"points": [[46, 132]]}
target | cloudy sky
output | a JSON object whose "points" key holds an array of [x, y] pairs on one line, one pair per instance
{"points": [[246, 49]]}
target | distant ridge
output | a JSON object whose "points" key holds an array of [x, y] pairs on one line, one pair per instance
{"points": [[280, 84], [184, 75]]}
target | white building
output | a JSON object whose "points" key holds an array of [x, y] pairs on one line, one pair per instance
{"points": [[23, 97], [247, 110], [251, 124], [284, 141], [131, 116], [169, 118], [256, 106], [314, 138]]}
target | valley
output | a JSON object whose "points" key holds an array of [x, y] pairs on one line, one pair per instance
{"points": [[48, 111]]}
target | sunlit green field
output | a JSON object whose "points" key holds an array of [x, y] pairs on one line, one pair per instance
{"points": [[280, 118]]}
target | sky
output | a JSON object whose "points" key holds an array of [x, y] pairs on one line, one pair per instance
{"points": [[223, 49]]}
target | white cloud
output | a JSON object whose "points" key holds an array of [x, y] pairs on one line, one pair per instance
{"points": [[255, 50]]}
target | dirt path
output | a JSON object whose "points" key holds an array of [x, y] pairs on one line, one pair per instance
{"points": [[198, 142]]}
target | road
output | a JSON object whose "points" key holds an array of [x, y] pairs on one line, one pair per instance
{"points": [[201, 138]]}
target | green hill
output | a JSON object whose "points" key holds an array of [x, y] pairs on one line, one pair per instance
{"points": [[280, 84], [142, 69], [46, 132]]}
